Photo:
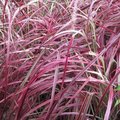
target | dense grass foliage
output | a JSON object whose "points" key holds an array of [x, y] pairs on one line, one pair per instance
{"points": [[59, 59]]}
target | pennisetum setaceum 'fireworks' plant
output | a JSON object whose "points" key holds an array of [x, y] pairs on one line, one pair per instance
{"points": [[59, 59]]}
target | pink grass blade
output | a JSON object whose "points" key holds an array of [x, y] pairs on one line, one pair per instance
{"points": [[109, 105]]}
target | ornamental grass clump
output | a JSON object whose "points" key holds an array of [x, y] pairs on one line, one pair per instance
{"points": [[59, 59]]}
